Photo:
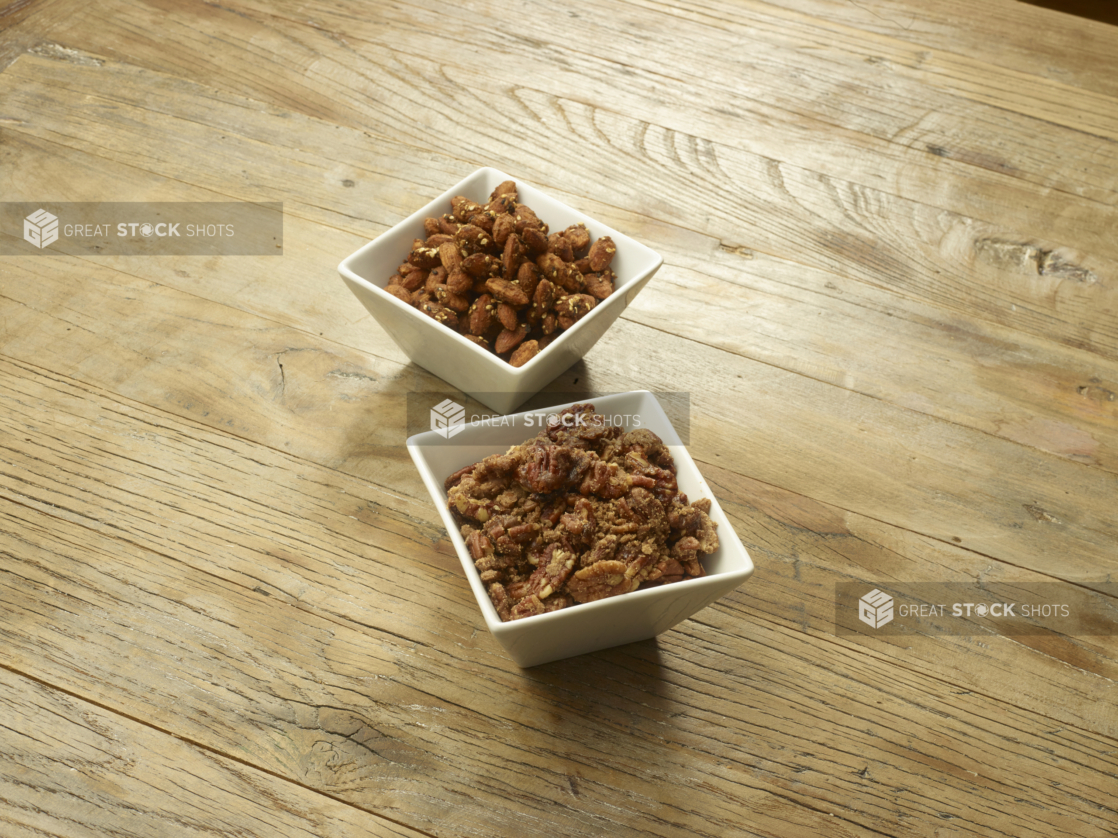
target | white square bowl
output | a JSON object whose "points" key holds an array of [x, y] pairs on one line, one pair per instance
{"points": [[609, 622], [462, 364]]}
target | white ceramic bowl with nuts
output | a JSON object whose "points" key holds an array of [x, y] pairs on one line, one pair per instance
{"points": [[600, 624], [453, 357]]}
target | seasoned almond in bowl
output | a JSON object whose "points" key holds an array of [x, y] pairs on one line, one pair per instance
{"points": [[496, 287]]}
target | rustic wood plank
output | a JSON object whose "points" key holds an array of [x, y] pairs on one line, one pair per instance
{"points": [[25, 25], [932, 71], [740, 59], [976, 374], [651, 739], [300, 521], [868, 161], [971, 266], [1019, 36], [852, 451], [71, 768]]}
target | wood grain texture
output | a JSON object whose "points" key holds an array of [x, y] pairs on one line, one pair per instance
{"points": [[364, 705], [72, 768], [789, 208], [979, 375], [1072, 50], [852, 451]]}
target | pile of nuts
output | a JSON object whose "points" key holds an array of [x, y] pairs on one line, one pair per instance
{"points": [[496, 276], [582, 512]]}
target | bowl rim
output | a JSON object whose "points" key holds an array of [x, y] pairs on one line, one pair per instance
{"points": [[655, 260], [647, 400]]}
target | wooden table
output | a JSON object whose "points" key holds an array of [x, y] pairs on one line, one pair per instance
{"points": [[229, 607]]}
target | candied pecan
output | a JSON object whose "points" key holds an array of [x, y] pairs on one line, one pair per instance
{"points": [[551, 468], [694, 524], [600, 580], [525, 353], [455, 478], [606, 480], [500, 599], [479, 545]]}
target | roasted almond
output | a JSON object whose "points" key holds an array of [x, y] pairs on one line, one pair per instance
{"points": [[463, 208], [459, 282], [528, 277], [481, 315], [481, 264], [503, 225], [507, 292], [601, 254], [506, 188], [400, 293], [450, 256], [509, 339], [424, 257], [525, 353]]}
